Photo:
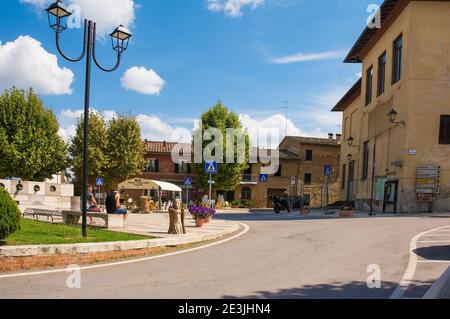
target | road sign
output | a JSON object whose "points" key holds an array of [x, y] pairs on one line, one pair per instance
{"points": [[293, 180], [211, 182], [211, 167], [188, 181], [99, 181], [263, 178], [327, 169], [427, 181]]}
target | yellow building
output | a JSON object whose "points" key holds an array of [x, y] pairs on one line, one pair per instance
{"points": [[396, 119], [301, 171]]}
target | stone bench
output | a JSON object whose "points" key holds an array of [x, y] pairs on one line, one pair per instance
{"points": [[36, 212], [111, 221]]}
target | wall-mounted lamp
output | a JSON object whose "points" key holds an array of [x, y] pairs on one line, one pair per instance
{"points": [[392, 116], [350, 157]]}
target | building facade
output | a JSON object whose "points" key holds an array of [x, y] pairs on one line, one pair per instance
{"points": [[161, 167], [396, 118], [301, 172]]}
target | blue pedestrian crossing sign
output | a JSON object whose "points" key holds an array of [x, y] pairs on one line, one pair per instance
{"points": [[99, 181], [327, 170], [211, 167], [188, 181], [263, 178]]}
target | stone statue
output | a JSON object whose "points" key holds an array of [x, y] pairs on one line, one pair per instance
{"points": [[176, 219]]}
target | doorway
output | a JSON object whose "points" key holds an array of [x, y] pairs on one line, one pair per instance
{"points": [[390, 196], [351, 179]]}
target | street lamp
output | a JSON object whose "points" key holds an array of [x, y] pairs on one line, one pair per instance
{"points": [[350, 141], [350, 157], [392, 116], [57, 14]]}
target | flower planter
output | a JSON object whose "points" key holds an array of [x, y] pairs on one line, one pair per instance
{"points": [[199, 222], [304, 211], [346, 213]]}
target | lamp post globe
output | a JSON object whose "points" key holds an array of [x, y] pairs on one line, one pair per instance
{"points": [[350, 141], [120, 38], [56, 13], [392, 116]]}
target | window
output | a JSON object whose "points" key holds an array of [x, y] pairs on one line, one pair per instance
{"points": [[365, 161], [309, 155], [246, 193], [369, 81], [344, 176], [278, 173], [397, 62], [153, 166], [308, 179], [381, 74], [307, 200], [183, 168], [444, 131]]}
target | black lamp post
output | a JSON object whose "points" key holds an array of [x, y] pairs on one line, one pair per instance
{"points": [[57, 14]]}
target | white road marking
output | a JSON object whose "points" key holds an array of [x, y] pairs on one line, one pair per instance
{"points": [[433, 241], [411, 269], [434, 261], [246, 229]]}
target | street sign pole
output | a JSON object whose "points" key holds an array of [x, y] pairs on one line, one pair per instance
{"points": [[210, 188]]}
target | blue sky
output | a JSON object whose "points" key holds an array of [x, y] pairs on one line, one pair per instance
{"points": [[253, 57]]}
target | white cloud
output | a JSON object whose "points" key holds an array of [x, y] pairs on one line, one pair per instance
{"points": [[25, 64], [107, 13], [305, 57], [232, 7], [141, 80], [153, 128], [274, 126]]}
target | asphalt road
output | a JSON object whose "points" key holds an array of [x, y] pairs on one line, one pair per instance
{"points": [[279, 257]]}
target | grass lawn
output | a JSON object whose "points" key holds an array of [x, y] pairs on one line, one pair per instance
{"points": [[40, 233]]}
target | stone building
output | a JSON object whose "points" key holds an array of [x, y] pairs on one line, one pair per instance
{"points": [[301, 171], [396, 119], [161, 167]]}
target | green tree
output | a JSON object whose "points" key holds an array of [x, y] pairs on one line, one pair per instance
{"points": [[229, 174], [98, 160], [125, 150], [115, 151], [9, 215], [30, 147]]}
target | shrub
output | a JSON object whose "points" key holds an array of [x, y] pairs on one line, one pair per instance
{"points": [[9, 215]]}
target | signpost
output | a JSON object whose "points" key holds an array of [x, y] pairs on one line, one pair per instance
{"points": [[188, 183], [211, 168], [263, 178], [327, 170], [100, 182], [428, 182]]}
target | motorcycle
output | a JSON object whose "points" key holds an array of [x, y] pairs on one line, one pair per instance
{"points": [[280, 204]]}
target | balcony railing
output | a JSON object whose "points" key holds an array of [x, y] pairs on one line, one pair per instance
{"points": [[250, 179]]}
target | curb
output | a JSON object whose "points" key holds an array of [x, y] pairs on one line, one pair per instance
{"points": [[441, 288], [40, 256]]}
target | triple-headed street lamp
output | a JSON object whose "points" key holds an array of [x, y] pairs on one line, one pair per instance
{"points": [[57, 16]]}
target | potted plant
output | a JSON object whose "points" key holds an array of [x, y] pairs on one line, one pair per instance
{"points": [[347, 211], [201, 214], [305, 210]]}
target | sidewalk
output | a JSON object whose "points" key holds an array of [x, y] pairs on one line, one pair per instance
{"points": [[157, 225]]}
